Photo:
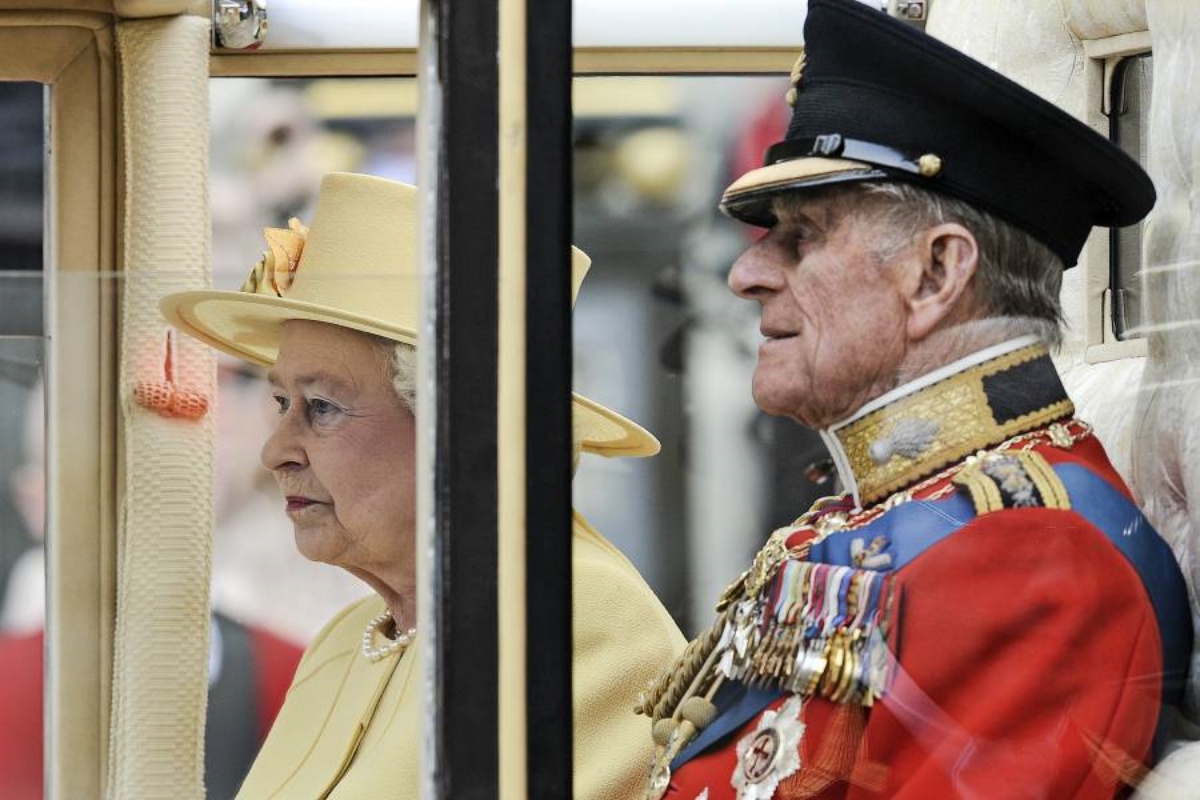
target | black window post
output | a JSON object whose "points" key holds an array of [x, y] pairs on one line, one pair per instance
{"points": [[548, 234], [462, 745], [463, 750]]}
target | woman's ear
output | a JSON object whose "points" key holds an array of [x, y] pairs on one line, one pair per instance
{"points": [[948, 256]]}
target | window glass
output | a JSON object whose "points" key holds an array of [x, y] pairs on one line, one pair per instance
{"points": [[1129, 126], [660, 338], [272, 140], [22, 440]]}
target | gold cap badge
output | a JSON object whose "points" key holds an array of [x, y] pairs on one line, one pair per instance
{"points": [[797, 73]]}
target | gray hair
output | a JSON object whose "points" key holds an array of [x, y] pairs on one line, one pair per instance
{"points": [[1017, 275], [403, 368]]}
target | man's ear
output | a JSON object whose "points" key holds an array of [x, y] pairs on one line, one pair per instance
{"points": [[948, 256]]}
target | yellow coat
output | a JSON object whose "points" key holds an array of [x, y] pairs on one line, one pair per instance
{"points": [[351, 729]]}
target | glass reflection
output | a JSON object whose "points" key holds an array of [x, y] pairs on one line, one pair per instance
{"points": [[22, 441], [658, 336], [268, 600], [22, 519]]}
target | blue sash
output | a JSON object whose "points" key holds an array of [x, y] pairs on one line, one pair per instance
{"points": [[914, 527]]}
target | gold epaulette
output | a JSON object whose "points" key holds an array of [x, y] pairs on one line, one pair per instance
{"points": [[1012, 479]]}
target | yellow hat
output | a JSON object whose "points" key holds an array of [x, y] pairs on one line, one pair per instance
{"points": [[356, 267]]}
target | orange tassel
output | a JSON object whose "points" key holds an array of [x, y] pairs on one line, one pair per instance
{"points": [[165, 398]]}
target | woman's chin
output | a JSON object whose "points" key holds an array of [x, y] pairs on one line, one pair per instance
{"points": [[313, 543]]}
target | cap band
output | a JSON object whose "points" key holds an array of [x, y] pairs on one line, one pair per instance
{"points": [[834, 145]]}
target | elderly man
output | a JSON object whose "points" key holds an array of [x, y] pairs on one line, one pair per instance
{"points": [[985, 613]]}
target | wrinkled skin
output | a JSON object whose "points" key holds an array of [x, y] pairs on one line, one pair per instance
{"points": [[343, 454], [834, 314]]}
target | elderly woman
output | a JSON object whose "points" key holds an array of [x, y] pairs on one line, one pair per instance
{"points": [[332, 311]]}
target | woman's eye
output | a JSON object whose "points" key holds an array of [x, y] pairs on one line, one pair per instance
{"points": [[282, 404], [320, 409]]}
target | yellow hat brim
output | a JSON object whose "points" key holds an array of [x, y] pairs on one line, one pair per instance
{"points": [[250, 327], [604, 432]]}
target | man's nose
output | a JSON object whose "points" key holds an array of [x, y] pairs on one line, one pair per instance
{"points": [[756, 273]]}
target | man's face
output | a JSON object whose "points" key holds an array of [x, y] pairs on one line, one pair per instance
{"points": [[832, 313]]}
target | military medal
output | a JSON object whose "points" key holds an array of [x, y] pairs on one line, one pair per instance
{"points": [[770, 753]]}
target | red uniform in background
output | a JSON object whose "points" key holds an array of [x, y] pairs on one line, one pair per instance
{"points": [[254, 671], [21, 716]]}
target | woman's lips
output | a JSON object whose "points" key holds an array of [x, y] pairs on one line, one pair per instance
{"points": [[296, 503]]}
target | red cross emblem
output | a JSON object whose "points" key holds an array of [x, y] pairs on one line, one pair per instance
{"points": [[760, 757]]}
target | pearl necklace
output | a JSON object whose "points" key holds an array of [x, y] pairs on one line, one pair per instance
{"points": [[397, 645]]}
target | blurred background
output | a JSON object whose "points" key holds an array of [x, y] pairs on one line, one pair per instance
{"points": [[657, 334], [658, 337]]}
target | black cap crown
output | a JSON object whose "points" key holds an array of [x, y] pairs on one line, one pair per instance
{"points": [[876, 99]]}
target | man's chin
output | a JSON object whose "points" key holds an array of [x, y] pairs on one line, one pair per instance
{"points": [[784, 405], [770, 402]]}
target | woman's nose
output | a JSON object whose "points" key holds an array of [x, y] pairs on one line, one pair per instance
{"points": [[283, 448]]}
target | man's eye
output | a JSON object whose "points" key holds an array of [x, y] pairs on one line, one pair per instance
{"points": [[282, 403], [802, 238], [789, 237]]}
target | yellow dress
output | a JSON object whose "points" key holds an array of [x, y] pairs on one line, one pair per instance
{"points": [[351, 729]]}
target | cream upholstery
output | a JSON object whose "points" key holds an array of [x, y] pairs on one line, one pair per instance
{"points": [[1098, 19], [1032, 42], [165, 539], [1027, 41], [121, 8], [1167, 456], [1146, 410]]}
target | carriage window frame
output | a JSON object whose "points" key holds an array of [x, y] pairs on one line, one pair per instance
{"points": [[71, 52], [1105, 340], [1127, 99], [592, 62], [588, 61]]}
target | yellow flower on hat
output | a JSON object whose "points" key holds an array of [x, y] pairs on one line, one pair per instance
{"points": [[360, 272], [274, 272]]}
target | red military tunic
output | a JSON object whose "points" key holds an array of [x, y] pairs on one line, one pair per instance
{"points": [[1034, 614]]}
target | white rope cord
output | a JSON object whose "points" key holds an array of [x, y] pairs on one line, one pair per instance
{"points": [[165, 539]]}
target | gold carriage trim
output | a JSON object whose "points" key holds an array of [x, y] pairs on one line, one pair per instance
{"points": [[916, 435]]}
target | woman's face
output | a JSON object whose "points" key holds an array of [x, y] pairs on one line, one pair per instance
{"points": [[343, 452]]}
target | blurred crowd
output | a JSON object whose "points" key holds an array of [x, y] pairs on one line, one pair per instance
{"points": [[654, 328]]}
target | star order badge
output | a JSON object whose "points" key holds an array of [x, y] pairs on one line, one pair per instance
{"points": [[770, 753]]}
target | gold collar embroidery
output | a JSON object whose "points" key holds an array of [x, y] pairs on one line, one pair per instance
{"points": [[922, 427]]}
